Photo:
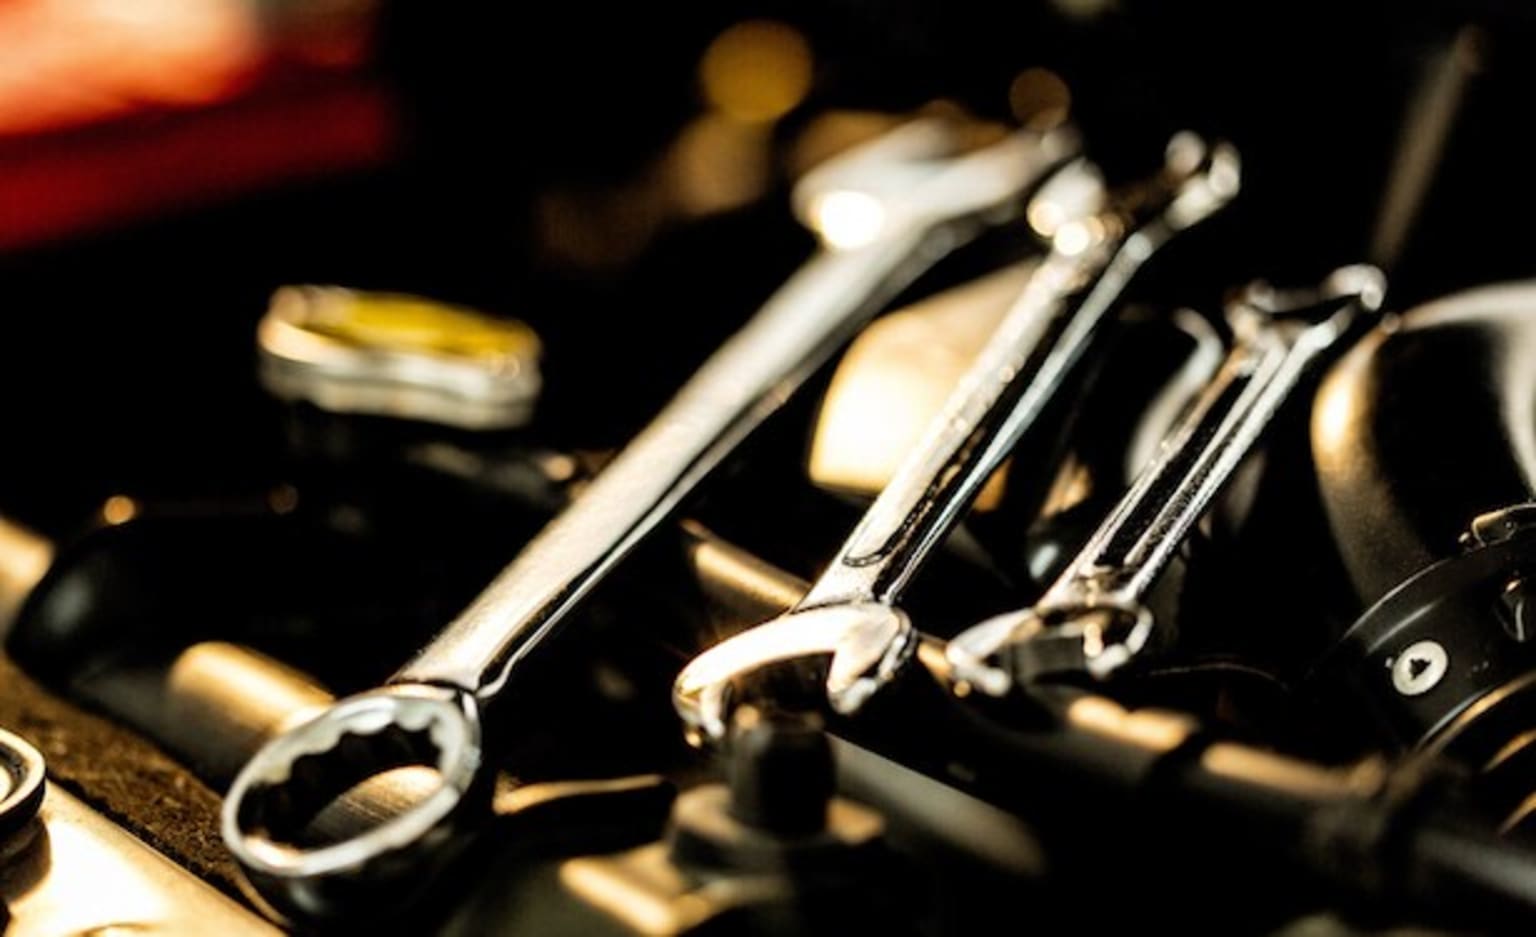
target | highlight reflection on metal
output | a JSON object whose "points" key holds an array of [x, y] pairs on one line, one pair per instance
{"points": [[932, 198], [21, 783], [83, 874], [398, 356], [895, 377], [1092, 618], [849, 612]]}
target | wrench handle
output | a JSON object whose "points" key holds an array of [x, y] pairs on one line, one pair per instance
{"points": [[1021, 370], [743, 382], [1091, 619], [1278, 340], [941, 202]]}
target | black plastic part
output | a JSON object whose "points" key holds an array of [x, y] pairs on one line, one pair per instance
{"points": [[1454, 603], [1419, 430]]}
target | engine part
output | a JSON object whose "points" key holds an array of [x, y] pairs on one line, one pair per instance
{"points": [[772, 847], [1395, 831], [1425, 455]]}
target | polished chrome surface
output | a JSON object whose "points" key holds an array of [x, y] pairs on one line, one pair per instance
{"points": [[850, 610], [895, 377], [922, 194], [914, 197], [83, 874], [1092, 617], [21, 783], [441, 717]]}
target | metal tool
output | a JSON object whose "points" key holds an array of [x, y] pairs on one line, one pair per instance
{"points": [[894, 378], [914, 198], [850, 612], [21, 784], [1092, 619]]}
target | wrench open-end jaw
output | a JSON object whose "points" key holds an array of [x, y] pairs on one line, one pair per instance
{"points": [[1092, 619], [850, 614], [912, 195]]}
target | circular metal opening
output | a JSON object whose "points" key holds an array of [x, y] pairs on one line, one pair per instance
{"points": [[21, 783]]}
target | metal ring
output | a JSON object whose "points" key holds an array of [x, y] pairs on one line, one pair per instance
{"points": [[24, 773], [869, 644], [355, 738], [1100, 657]]}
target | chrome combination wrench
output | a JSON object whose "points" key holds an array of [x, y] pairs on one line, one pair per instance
{"points": [[915, 197], [1092, 620], [850, 612]]}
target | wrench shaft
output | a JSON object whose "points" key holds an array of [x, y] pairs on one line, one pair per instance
{"points": [[1274, 350], [1092, 618], [1022, 369], [737, 388], [747, 379]]}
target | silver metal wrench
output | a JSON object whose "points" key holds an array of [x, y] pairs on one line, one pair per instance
{"points": [[911, 197], [850, 612], [1092, 618]]}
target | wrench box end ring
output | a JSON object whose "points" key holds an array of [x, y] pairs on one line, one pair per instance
{"points": [[301, 771], [23, 785]]}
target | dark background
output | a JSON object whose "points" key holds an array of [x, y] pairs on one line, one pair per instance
{"points": [[125, 360]]}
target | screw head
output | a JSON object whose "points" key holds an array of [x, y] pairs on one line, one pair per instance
{"points": [[1419, 668]]}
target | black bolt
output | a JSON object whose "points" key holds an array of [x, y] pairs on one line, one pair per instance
{"points": [[781, 772]]}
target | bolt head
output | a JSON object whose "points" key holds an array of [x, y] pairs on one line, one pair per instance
{"points": [[1419, 668]]}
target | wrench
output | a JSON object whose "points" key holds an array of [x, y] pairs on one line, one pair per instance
{"points": [[1092, 618], [914, 198], [850, 612]]}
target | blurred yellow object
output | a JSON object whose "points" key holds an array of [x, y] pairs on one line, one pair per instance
{"points": [[119, 509], [895, 378], [717, 164], [756, 71], [395, 322], [385, 354]]}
